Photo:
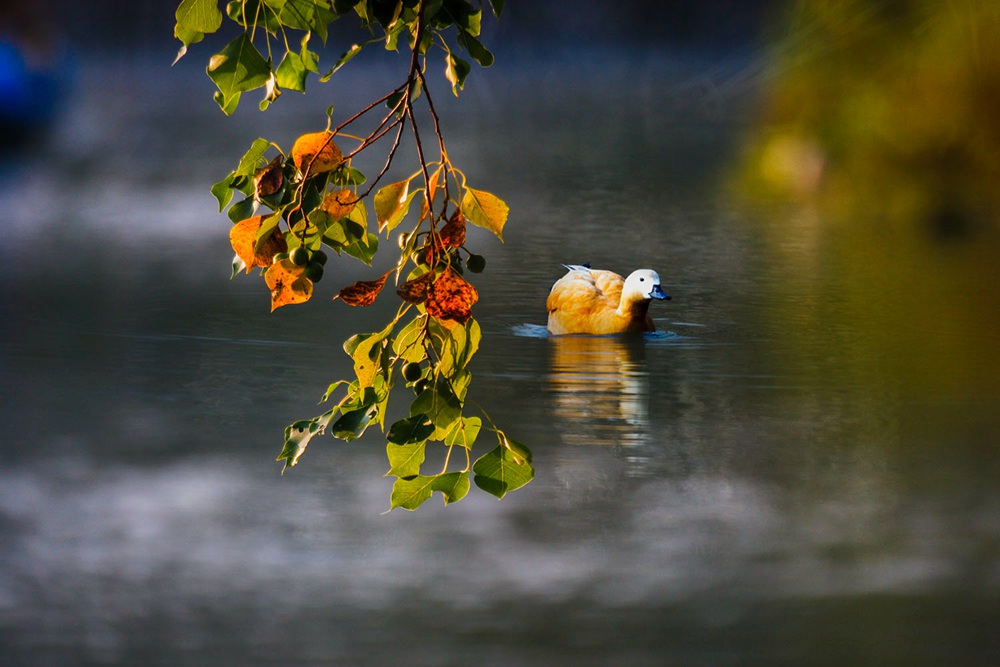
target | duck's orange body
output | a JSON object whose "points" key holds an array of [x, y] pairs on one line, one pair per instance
{"points": [[592, 301]]}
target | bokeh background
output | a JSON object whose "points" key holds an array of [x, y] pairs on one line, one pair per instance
{"points": [[800, 468]]}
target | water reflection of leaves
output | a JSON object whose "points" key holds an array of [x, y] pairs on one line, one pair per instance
{"points": [[601, 389]]}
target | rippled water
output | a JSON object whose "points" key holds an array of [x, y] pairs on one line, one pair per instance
{"points": [[750, 485]]}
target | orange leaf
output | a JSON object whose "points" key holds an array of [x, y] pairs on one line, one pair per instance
{"points": [[363, 292], [340, 203], [316, 153], [415, 291], [450, 297], [452, 235], [287, 284], [243, 236]]}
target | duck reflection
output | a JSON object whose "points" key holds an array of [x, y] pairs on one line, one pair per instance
{"points": [[600, 388]]}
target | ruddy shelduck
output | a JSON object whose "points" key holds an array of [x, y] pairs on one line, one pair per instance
{"points": [[591, 301]]}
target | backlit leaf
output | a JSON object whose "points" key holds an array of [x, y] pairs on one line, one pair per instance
{"points": [[197, 16], [316, 152], [411, 492], [405, 460], [291, 72], [485, 210], [407, 344], [452, 235], [340, 203], [450, 297], [287, 283], [297, 437], [456, 70], [243, 237], [363, 292], [415, 290], [465, 432], [452, 485], [392, 203], [501, 470], [366, 351]]}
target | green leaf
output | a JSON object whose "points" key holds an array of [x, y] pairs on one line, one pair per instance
{"points": [[196, 16], [345, 58], [223, 191], [465, 432], [352, 424], [486, 210], [267, 227], [452, 485], [407, 344], [411, 429], [456, 70], [298, 435], [455, 345], [497, 6], [411, 492], [405, 460], [239, 67], [475, 48], [366, 351], [364, 250], [503, 469], [440, 405], [252, 158], [296, 14], [291, 72], [241, 210]]}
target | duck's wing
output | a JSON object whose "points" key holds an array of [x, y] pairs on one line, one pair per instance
{"points": [[581, 296], [610, 284]]}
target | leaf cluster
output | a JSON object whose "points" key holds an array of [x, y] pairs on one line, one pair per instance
{"points": [[273, 28], [292, 209]]}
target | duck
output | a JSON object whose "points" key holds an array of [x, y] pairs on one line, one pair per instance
{"points": [[594, 301]]}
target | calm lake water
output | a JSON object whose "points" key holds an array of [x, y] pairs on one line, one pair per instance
{"points": [[765, 482]]}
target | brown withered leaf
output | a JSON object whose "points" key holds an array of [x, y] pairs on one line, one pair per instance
{"points": [[340, 203], [243, 236], [363, 292], [287, 283], [415, 291], [450, 297], [452, 235], [268, 180], [316, 152]]}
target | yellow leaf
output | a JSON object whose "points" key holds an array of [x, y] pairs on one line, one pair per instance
{"points": [[391, 205], [485, 210], [340, 203], [243, 237], [287, 283], [316, 153]]}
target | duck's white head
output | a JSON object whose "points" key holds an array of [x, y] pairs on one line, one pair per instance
{"points": [[643, 285]]}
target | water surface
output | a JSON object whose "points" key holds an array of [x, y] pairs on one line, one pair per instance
{"points": [[762, 482]]}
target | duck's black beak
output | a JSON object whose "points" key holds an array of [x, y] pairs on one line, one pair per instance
{"points": [[658, 293]]}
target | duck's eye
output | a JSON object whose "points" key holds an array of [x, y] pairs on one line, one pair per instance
{"points": [[642, 280]]}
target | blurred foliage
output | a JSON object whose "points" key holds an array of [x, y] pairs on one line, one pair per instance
{"points": [[880, 130]]}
